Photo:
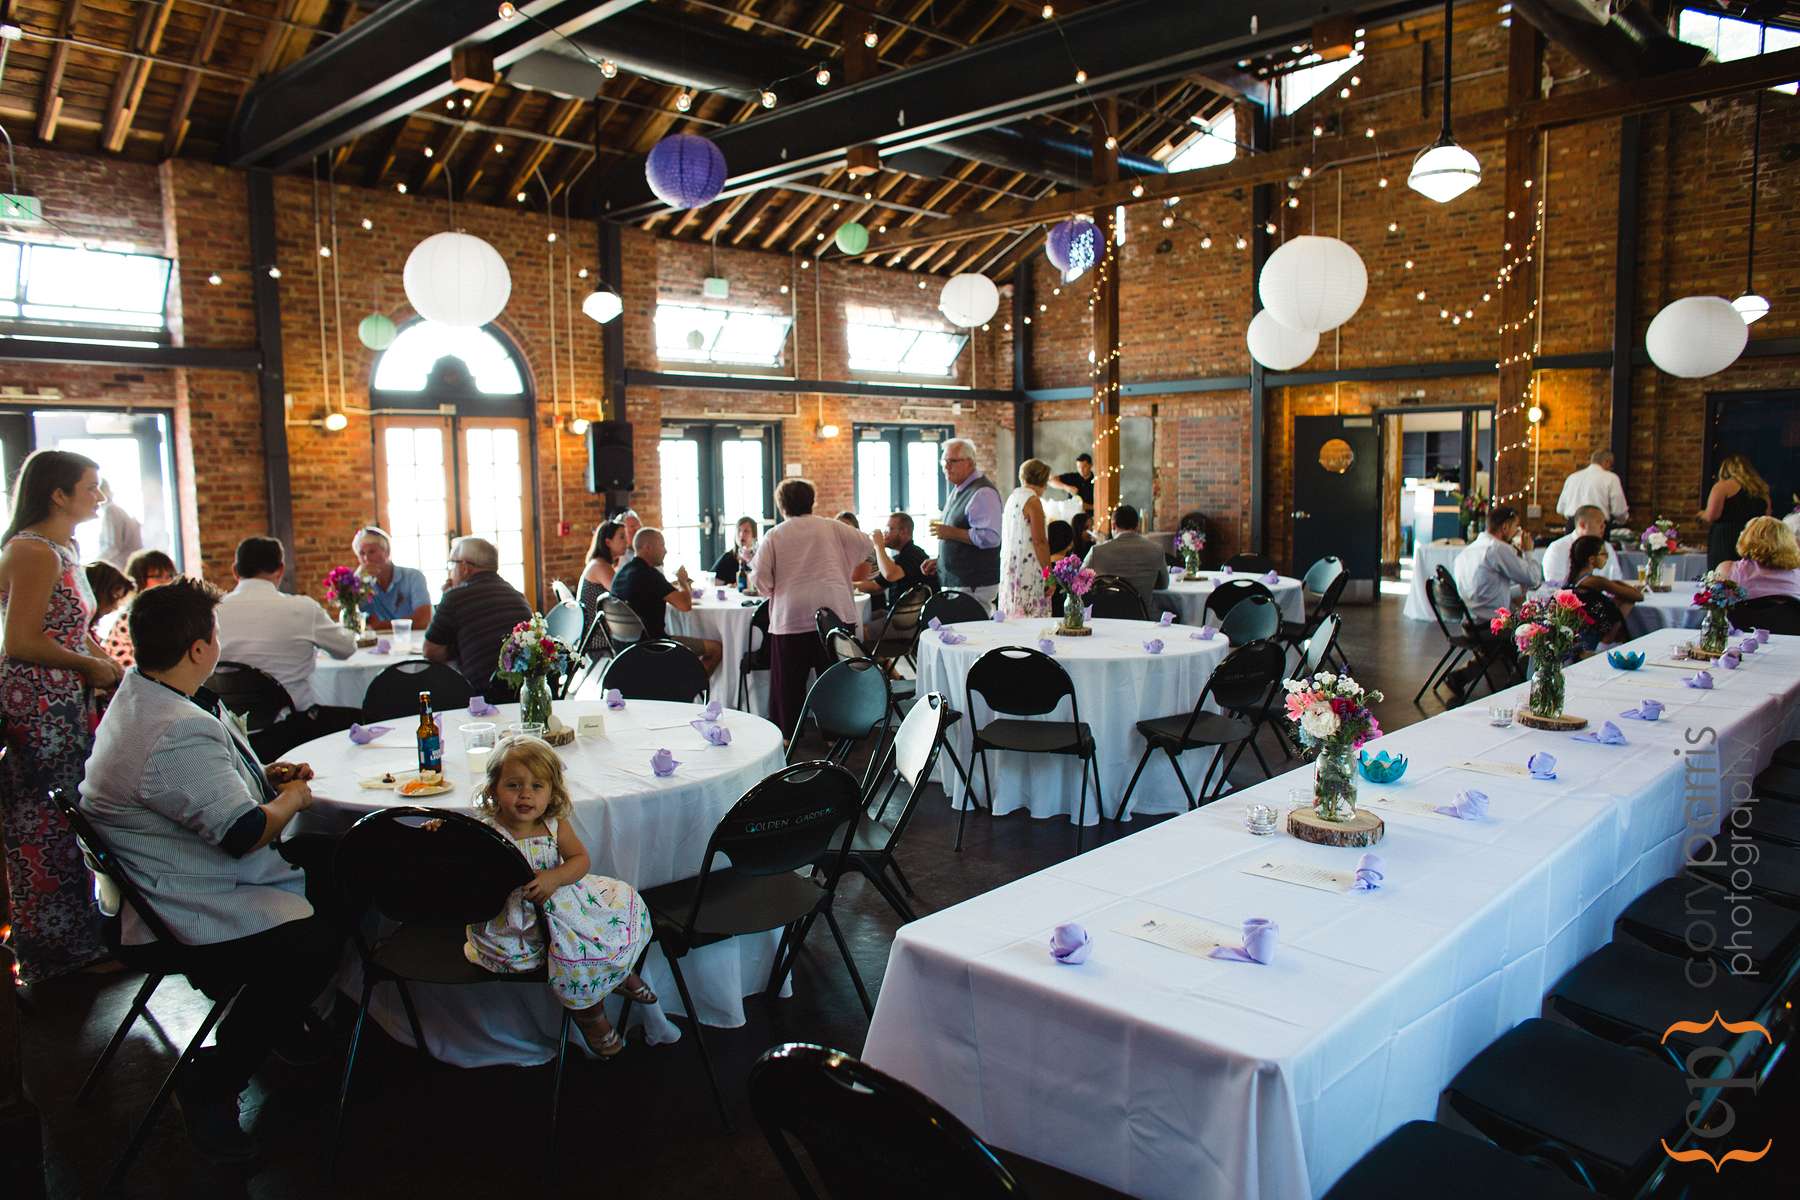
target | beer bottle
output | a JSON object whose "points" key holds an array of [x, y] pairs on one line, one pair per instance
{"points": [[431, 743]]}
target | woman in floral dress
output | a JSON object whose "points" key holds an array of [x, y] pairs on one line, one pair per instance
{"points": [[50, 668], [1024, 546]]}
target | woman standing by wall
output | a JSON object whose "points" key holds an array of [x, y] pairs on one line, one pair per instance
{"points": [[1738, 496]]}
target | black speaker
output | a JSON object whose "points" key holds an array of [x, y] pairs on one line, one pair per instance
{"points": [[609, 466]]}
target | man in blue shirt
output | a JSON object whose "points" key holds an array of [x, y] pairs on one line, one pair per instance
{"points": [[400, 592]]}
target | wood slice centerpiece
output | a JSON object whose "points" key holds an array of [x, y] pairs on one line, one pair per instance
{"points": [[1363, 829], [1566, 723], [1699, 655], [1078, 631]]}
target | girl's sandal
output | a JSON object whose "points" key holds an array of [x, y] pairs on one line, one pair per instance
{"points": [[603, 1047], [641, 994]]}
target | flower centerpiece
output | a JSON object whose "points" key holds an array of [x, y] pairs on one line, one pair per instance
{"points": [[1716, 595], [1189, 543], [1658, 541], [1074, 581], [346, 589], [1546, 632], [528, 657], [1473, 506], [1332, 717]]}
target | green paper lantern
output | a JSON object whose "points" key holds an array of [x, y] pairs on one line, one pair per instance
{"points": [[377, 331], [852, 238]]}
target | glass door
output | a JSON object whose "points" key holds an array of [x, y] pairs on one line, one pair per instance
{"points": [[492, 469], [711, 476], [898, 470]]}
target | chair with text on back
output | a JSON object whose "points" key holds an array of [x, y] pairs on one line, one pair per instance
{"points": [[1257, 564], [658, 670], [1016, 682], [1240, 684], [395, 692], [787, 822], [1252, 619], [1112, 596]]}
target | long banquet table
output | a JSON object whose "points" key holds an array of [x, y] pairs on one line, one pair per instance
{"points": [[1165, 1075]]}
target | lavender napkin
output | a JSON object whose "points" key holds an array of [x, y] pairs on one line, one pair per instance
{"points": [[721, 593], [1469, 805], [1541, 765], [1207, 633], [950, 637], [715, 733], [1369, 873], [934, 623], [1047, 645], [1700, 679], [1748, 645], [1070, 944], [999, 615], [1607, 735], [1153, 646], [1730, 660], [382, 646], [362, 735], [1087, 612], [1166, 620], [712, 711], [614, 699], [1761, 635], [1649, 710], [1226, 570], [1272, 578], [699, 593], [663, 764], [1260, 936], [479, 707]]}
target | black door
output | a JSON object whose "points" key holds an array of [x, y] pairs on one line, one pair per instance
{"points": [[1765, 428], [1337, 494]]}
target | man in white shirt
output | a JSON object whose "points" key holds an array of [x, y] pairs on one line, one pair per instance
{"points": [[1595, 485], [1589, 522], [1489, 573], [121, 536], [273, 631]]}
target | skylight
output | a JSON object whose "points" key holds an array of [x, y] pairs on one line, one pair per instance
{"points": [[1215, 143], [1301, 85], [722, 336], [48, 286], [882, 344], [1729, 39], [406, 365]]}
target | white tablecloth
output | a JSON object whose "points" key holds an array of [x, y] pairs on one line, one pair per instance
{"points": [[1117, 684], [1664, 610], [1426, 560], [342, 682], [727, 622], [636, 827], [1165, 1075], [1689, 566], [1189, 595]]}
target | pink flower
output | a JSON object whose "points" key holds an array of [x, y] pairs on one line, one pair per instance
{"points": [[1570, 600], [1298, 703], [1498, 624]]}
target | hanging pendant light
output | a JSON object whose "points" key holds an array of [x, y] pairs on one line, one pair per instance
{"points": [[1444, 170], [602, 304], [1751, 306]]}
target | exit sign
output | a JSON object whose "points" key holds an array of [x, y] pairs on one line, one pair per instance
{"points": [[21, 210]]}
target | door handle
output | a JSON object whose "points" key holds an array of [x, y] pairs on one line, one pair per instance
{"points": [[1300, 516]]}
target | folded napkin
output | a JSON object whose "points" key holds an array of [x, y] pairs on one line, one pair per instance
{"points": [[1153, 646], [934, 623], [1649, 710], [1260, 936], [721, 593], [1087, 612], [1047, 645], [1369, 873], [1748, 645], [1166, 620], [999, 615], [663, 764], [951, 638], [382, 646], [1469, 805], [699, 593], [1070, 944], [1226, 570], [1541, 765], [715, 733], [1272, 578], [1700, 679], [712, 711], [1177, 574], [1207, 633], [479, 707], [614, 699], [362, 735], [1730, 660], [1607, 735], [1761, 635]]}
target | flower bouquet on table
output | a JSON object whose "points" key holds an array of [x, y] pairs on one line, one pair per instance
{"points": [[347, 590], [1189, 543], [1546, 632], [528, 658], [1074, 581], [1332, 718], [1473, 507], [1716, 594], [1658, 541]]}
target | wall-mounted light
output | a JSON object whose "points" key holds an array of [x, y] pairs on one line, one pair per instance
{"points": [[1535, 414], [578, 426], [828, 431], [336, 422]]}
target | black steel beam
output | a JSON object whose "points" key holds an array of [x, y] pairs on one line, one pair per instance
{"points": [[394, 62], [1122, 46], [271, 380], [95, 354], [1262, 207], [1024, 430], [635, 377], [612, 334], [1625, 275]]}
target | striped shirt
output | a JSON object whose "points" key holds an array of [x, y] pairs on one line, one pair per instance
{"points": [[472, 619]]}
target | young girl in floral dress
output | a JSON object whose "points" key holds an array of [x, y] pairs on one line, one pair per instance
{"points": [[598, 926]]}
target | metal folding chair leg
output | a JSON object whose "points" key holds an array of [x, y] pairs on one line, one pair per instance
{"points": [[337, 1131], [687, 1004], [129, 1155], [139, 1004], [412, 1016], [1119, 814], [562, 1055], [1175, 761], [843, 946]]}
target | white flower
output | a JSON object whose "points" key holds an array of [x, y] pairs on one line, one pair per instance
{"points": [[1325, 679], [1320, 722], [1295, 685], [1349, 687], [1657, 540]]}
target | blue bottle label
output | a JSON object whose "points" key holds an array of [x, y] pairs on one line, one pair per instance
{"points": [[431, 754]]}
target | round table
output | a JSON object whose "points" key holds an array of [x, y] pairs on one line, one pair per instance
{"points": [[1189, 594], [1664, 610], [636, 827], [1426, 560], [342, 682], [727, 621], [1117, 684]]}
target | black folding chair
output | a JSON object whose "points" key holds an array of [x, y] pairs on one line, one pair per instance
{"points": [[1241, 684], [896, 637], [1313, 653], [432, 873], [787, 822], [658, 670], [1457, 644], [1258, 564], [1488, 652], [865, 1133], [1016, 682], [1331, 579], [158, 960], [258, 698], [828, 623], [1252, 619], [1777, 614], [1229, 593], [1422, 1158], [1112, 596], [395, 692], [952, 607], [756, 653], [901, 692], [848, 704], [623, 625]]}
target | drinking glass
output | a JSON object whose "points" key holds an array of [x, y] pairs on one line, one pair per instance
{"points": [[536, 729], [1500, 716], [402, 638], [478, 739], [1261, 819]]}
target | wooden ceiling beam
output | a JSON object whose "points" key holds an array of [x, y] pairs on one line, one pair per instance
{"points": [[723, 217], [794, 211], [134, 73], [382, 154], [177, 130], [562, 115], [747, 222], [50, 104]]}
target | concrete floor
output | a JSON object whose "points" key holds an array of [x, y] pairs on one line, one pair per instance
{"points": [[420, 1128]]}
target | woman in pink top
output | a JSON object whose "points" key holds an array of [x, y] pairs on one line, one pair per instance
{"points": [[803, 564], [1768, 561]]}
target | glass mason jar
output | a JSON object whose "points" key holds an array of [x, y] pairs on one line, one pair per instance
{"points": [[1717, 630], [1334, 782], [1191, 559], [1073, 615], [350, 616], [1653, 560], [1547, 685], [534, 700]]}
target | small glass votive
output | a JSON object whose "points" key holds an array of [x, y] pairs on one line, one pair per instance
{"points": [[1500, 716], [478, 739], [1300, 797], [536, 729], [402, 632], [1261, 819]]}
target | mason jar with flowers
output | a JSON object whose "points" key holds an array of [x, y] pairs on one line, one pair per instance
{"points": [[1715, 595], [348, 590], [1189, 543], [1074, 581], [1473, 505], [1333, 718], [1658, 541], [1546, 632], [528, 658]]}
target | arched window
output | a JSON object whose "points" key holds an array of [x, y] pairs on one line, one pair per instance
{"points": [[418, 353]]}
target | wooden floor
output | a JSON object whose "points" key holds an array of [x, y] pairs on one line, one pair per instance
{"points": [[639, 1125]]}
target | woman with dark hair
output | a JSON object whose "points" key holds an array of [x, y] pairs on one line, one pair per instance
{"points": [[110, 587], [50, 668], [1608, 601], [1082, 525], [147, 569], [741, 554], [606, 554]]}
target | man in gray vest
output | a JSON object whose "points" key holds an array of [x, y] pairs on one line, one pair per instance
{"points": [[969, 533]]}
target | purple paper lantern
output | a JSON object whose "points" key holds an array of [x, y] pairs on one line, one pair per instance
{"points": [[685, 170], [1071, 245]]}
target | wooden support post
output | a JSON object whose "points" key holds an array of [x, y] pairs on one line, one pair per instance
{"points": [[1023, 433], [1522, 191], [1625, 289], [271, 381], [1106, 325]]}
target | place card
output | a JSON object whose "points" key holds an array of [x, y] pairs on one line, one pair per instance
{"points": [[1322, 878], [1422, 808], [590, 725], [1489, 767], [1186, 935]]}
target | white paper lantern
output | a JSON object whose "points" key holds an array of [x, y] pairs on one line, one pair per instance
{"points": [[969, 300], [1695, 336], [1313, 284], [456, 279], [1276, 346]]}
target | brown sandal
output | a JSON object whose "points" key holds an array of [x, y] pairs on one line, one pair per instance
{"points": [[606, 1047], [641, 994]]}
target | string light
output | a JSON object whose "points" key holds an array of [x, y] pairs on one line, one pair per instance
{"points": [[822, 77], [870, 37], [215, 279], [1080, 75], [768, 98], [684, 100]]}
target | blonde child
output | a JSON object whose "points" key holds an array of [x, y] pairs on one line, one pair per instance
{"points": [[598, 926]]}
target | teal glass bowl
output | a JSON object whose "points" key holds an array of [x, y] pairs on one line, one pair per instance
{"points": [[1379, 768], [1625, 660]]}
